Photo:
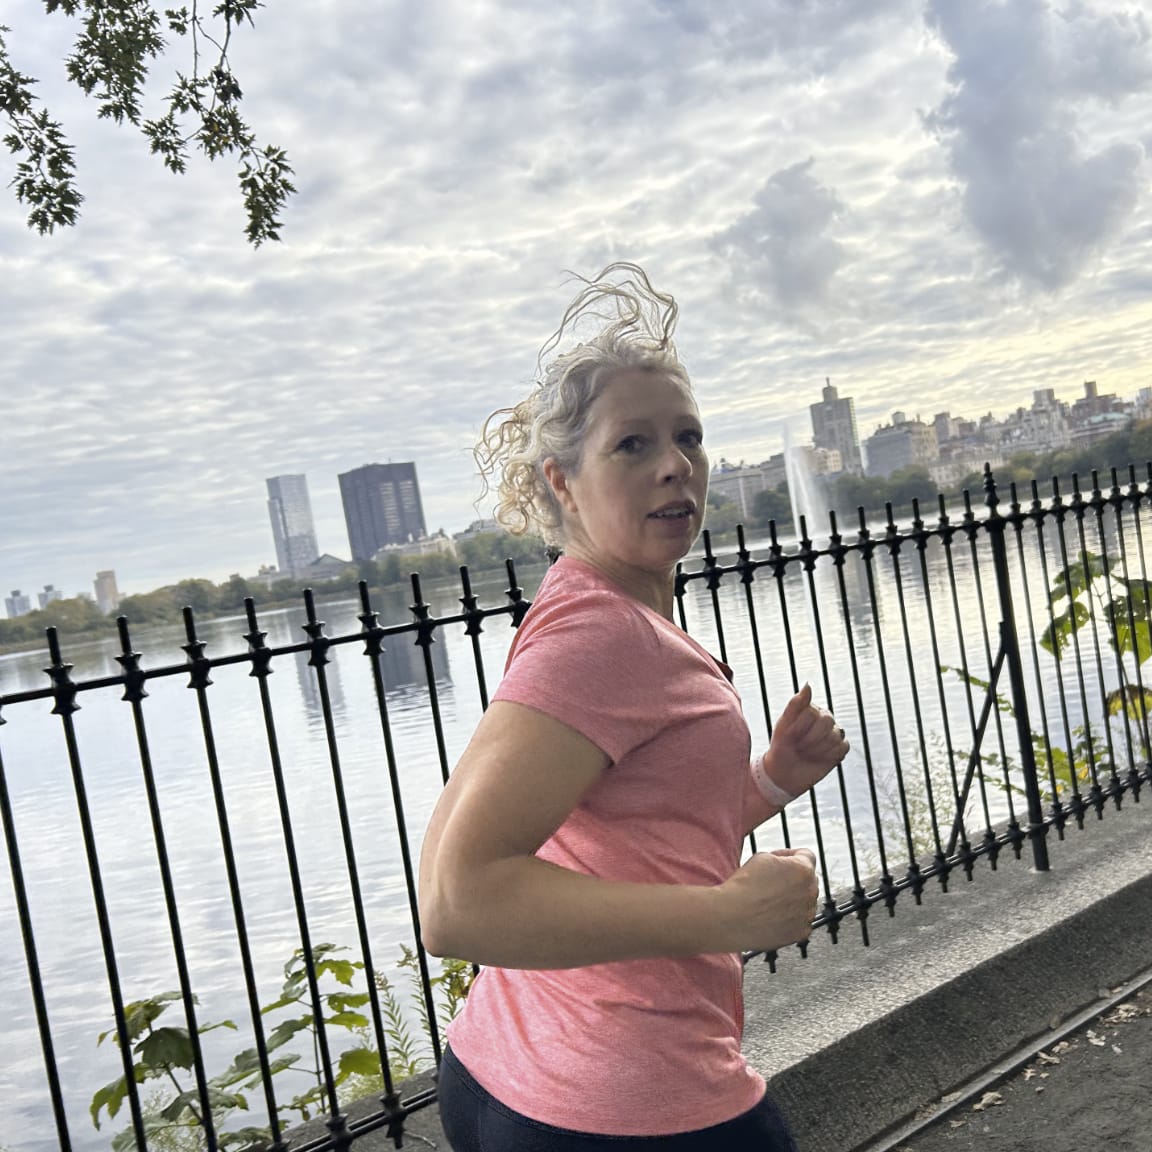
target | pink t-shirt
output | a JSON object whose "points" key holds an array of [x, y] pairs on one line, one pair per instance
{"points": [[638, 1047]]}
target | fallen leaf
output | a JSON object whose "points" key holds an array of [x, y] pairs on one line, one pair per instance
{"points": [[1122, 1014], [1098, 1041], [1117, 1049], [1047, 1058], [988, 1100]]}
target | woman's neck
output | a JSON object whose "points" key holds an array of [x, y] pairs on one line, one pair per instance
{"points": [[654, 589]]}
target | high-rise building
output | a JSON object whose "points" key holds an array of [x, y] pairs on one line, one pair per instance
{"points": [[381, 506], [107, 594], [17, 604], [290, 511], [834, 426], [49, 594]]}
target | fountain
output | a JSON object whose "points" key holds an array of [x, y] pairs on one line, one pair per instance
{"points": [[805, 493]]}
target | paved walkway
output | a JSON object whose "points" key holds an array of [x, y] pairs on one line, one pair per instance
{"points": [[1091, 1091]]}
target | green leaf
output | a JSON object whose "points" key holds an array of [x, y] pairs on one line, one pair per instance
{"points": [[285, 1001], [244, 1064], [179, 1104], [338, 1001], [246, 1139], [166, 1048], [286, 1029], [304, 1102], [218, 1100], [280, 1064], [111, 1096], [1058, 635], [219, 1024], [1135, 639], [359, 1062], [343, 971], [1139, 593], [140, 1014], [349, 1020], [245, 1067]]}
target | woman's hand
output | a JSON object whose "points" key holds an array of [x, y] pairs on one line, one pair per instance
{"points": [[770, 901], [806, 745]]}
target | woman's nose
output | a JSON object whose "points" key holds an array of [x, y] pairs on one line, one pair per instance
{"points": [[676, 465]]}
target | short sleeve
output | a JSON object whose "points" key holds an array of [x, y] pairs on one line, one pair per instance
{"points": [[590, 661]]}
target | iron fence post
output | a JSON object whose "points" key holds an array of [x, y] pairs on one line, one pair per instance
{"points": [[1037, 829]]}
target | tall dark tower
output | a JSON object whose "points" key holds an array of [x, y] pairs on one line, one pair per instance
{"points": [[381, 506]]}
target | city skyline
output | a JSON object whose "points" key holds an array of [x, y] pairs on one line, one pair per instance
{"points": [[1043, 400], [914, 198]]}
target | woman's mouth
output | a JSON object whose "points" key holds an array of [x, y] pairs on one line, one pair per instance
{"points": [[673, 511]]}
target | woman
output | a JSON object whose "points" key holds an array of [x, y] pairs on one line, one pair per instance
{"points": [[586, 851]]}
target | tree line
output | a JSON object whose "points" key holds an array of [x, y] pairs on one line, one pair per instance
{"points": [[483, 552]]}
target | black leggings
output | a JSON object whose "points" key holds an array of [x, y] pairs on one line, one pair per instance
{"points": [[475, 1121]]}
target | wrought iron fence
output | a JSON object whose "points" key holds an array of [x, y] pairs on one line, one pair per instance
{"points": [[988, 669]]}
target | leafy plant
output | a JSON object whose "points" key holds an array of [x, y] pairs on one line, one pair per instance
{"points": [[408, 1053], [1093, 589], [172, 1113]]}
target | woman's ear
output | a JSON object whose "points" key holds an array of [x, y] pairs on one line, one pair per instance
{"points": [[558, 482]]}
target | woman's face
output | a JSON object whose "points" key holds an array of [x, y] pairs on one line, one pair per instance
{"points": [[638, 495]]}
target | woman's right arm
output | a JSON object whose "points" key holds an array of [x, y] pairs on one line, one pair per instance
{"points": [[486, 897]]}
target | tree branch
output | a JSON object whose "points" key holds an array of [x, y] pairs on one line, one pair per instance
{"points": [[45, 168], [110, 60]]}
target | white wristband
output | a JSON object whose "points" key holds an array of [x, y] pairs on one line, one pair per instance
{"points": [[767, 787]]}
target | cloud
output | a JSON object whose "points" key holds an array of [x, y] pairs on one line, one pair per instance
{"points": [[783, 245], [1039, 190], [454, 158]]}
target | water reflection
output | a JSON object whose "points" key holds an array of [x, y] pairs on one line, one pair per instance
{"points": [[308, 678], [402, 662]]}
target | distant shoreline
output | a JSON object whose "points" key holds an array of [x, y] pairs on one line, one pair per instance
{"points": [[322, 596]]}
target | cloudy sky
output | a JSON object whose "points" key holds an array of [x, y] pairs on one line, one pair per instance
{"points": [[939, 204]]}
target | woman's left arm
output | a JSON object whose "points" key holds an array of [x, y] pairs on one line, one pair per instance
{"points": [[806, 745]]}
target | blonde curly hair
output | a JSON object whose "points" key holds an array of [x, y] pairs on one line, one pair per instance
{"points": [[635, 331]]}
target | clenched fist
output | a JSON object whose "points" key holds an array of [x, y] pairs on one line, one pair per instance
{"points": [[770, 901]]}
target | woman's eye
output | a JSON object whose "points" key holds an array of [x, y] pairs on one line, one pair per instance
{"points": [[629, 444], [692, 439]]}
